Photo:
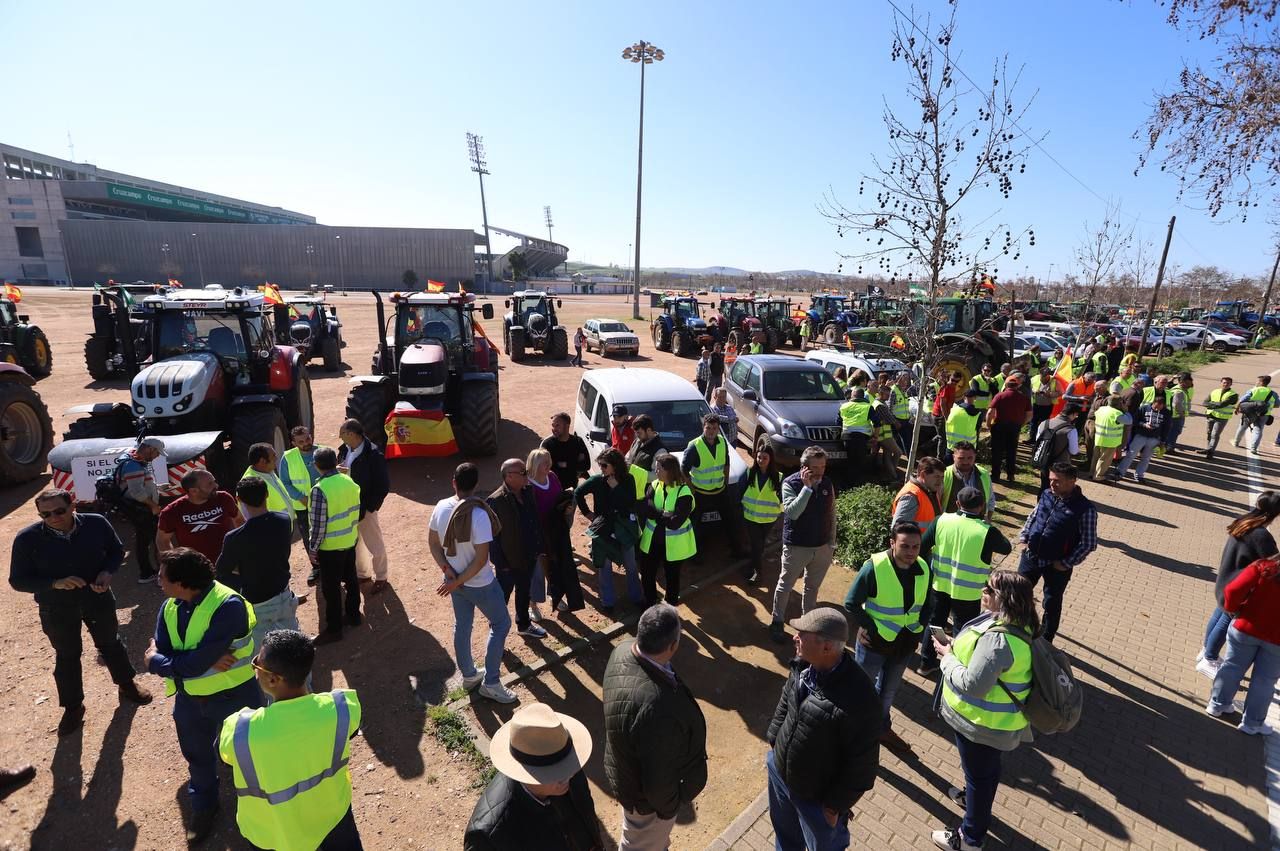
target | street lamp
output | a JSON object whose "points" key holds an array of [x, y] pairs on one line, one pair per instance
{"points": [[164, 260], [199, 261], [342, 271], [475, 151], [641, 53], [311, 263]]}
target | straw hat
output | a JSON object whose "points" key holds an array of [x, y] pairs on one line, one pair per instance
{"points": [[540, 746]]}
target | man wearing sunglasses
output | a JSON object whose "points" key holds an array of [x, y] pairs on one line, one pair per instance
{"points": [[67, 561]]}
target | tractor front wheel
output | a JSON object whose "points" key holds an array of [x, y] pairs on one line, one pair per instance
{"points": [[682, 344], [37, 357], [475, 423], [332, 349], [252, 424], [298, 407], [559, 348], [369, 404], [97, 354], [516, 344], [26, 433]]}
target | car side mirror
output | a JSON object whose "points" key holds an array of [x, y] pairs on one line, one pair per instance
{"points": [[559, 302], [24, 317], [487, 311], [507, 303], [751, 396], [598, 435]]}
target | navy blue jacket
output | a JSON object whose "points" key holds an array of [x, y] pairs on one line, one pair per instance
{"points": [[370, 472], [228, 623], [41, 556]]}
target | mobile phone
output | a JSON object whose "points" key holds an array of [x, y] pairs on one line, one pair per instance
{"points": [[939, 633]]}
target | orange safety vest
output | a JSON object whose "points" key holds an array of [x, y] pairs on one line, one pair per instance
{"points": [[925, 513], [1080, 388], [730, 354]]}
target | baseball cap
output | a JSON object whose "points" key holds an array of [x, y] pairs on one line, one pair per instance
{"points": [[152, 443], [619, 410], [970, 499], [826, 621]]}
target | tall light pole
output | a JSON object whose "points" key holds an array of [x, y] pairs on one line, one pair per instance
{"points": [[546, 212], [475, 150], [199, 261], [311, 262], [342, 271], [642, 53]]}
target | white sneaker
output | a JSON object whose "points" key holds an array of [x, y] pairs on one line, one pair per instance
{"points": [[470, 683], [1217, 711], [1209, 667], [534, 614], [953, 840], [533, 631], [499, 693], [1200, 654], [1263, 729]]}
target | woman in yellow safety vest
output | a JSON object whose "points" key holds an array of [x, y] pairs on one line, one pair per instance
{"points": [[986, 679], [667, 540], [761, 506]]}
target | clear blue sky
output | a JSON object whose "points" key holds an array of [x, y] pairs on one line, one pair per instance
{"points": [[357, 113]]}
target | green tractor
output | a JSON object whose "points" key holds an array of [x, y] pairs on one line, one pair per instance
{"points": [[780, 329], [23, 343], [965, 336]]}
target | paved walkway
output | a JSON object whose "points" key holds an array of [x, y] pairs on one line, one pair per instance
{"points": [[1146, 767]]}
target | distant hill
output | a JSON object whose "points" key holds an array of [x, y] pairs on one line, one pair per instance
{"points": [[691, 272]]}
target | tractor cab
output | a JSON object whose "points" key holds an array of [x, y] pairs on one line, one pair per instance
{"points": [[232, 325], [956, 315], [432, 331]]}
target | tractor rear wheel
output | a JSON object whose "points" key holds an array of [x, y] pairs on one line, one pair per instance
{"points": [[475, 423], [369, 404], [682, 344], [299, 410], [252, 424], [109, 427], [96, 356], [833, 334], [661, 337], [515, 343], [559, 348], [26, 433], [738, 340], [36, 355], [332, 349], [771, 340]]}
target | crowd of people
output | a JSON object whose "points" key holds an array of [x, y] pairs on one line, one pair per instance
{"points": [[229, 650]]}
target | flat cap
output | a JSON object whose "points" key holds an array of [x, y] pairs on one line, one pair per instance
{"points": [[827, 621]]}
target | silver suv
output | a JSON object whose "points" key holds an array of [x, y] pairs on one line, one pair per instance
{"points": [[786, 402]]}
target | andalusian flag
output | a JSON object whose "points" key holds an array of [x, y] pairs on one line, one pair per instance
{"points": [[12, 292], [129, 300], [434, 287], [1063, 378], [414, 433]]}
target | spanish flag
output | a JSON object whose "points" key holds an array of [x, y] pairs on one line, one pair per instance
{"points": [[12, 292], [414, 433], [897, 342], [434, 287], [1062, 377], [271, 294], [175, 283]]}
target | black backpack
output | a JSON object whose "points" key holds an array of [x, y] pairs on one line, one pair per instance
{"points": [[109, 490], [1046, 446]]}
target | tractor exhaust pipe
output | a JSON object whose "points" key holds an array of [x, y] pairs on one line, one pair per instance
{"points": [[383, 354], [124, 329]]}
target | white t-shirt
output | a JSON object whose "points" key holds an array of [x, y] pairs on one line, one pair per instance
{"points": [[481, 533]]}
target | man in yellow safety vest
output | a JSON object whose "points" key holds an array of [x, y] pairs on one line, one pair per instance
{"points": [[1220, 406], [706, 464], [335, 515], [202, 647], [290, 760], [262, 465]]}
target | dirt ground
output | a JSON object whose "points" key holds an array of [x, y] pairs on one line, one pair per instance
{"points": [[94, 791]]}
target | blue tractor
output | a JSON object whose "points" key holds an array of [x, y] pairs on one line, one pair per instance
{"points": [[1244, 314], [680, 328], [830, 316]]}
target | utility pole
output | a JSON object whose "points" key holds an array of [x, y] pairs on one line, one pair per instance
{"points": [[1266, 298], [642, 53], [1155, 292], [475, 149]]}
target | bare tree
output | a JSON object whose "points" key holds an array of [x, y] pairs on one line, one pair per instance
{"points": [[960, 141], [1219, 127], [1101, 248]]}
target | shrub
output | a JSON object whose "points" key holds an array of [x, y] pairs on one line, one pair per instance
{"points": [[862, 523]]}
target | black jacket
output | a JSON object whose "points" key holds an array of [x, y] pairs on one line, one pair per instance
{"points": [[370, 473], [520, 541], [827, 747], [655, 751], [507, 818], [643, 454]]}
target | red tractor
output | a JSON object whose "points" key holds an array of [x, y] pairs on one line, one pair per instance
{"points": [[736, 318]]}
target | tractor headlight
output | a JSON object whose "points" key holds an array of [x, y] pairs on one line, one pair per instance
{"points": [[183, 403], [139, 408]]}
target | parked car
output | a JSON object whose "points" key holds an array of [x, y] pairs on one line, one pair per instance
{"points": [[787, 402], [1193, 336], [610, 337], [831, 359], [676, 406]]}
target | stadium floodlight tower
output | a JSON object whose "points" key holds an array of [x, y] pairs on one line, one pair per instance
{"points": [[475, 150], [641, 53]]}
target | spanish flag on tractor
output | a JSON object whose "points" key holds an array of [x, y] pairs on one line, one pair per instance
{"points": [[12, 292], [435, 287], [414, 433]]}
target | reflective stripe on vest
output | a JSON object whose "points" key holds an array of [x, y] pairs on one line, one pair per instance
{"points": [[983, 400], [961, 425], [342, 502], [1100, 364], [760, 501], [901, 409], [886, 428], [993, 710], [295, 468], [709, 474], [680, 543], [958, 568], [277, 497], [244, 756], [211, 681], [948, 482], [1108, 432], [887, 608], [1228, 410], [855, 417]]}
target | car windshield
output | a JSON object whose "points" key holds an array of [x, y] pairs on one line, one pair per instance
{"points": [[439, 322], [677, 422], [801, 385], [614, 327], [179, 333], [686, 308], [833, 304]]}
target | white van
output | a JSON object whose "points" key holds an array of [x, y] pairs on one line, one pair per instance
{"points": [[674, 404]]}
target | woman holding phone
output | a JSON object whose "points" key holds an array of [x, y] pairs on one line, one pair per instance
{"points": [[986, 676]]}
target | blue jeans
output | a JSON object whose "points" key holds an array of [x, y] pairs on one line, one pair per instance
{"points": [[1055, 587], [1175, 431], [1215, 634], [981, 764], [493, 605], [199, 724], [604, 572], [1140, 446], [1254, 427], [798, 824], [1244, 650], [885, 673]]}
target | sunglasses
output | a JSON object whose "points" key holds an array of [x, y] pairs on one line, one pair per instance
{"points": [[257, 667], [57, 512], [518, 472]]}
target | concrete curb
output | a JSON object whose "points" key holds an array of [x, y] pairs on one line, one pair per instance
{"points": [[739, 826]]}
